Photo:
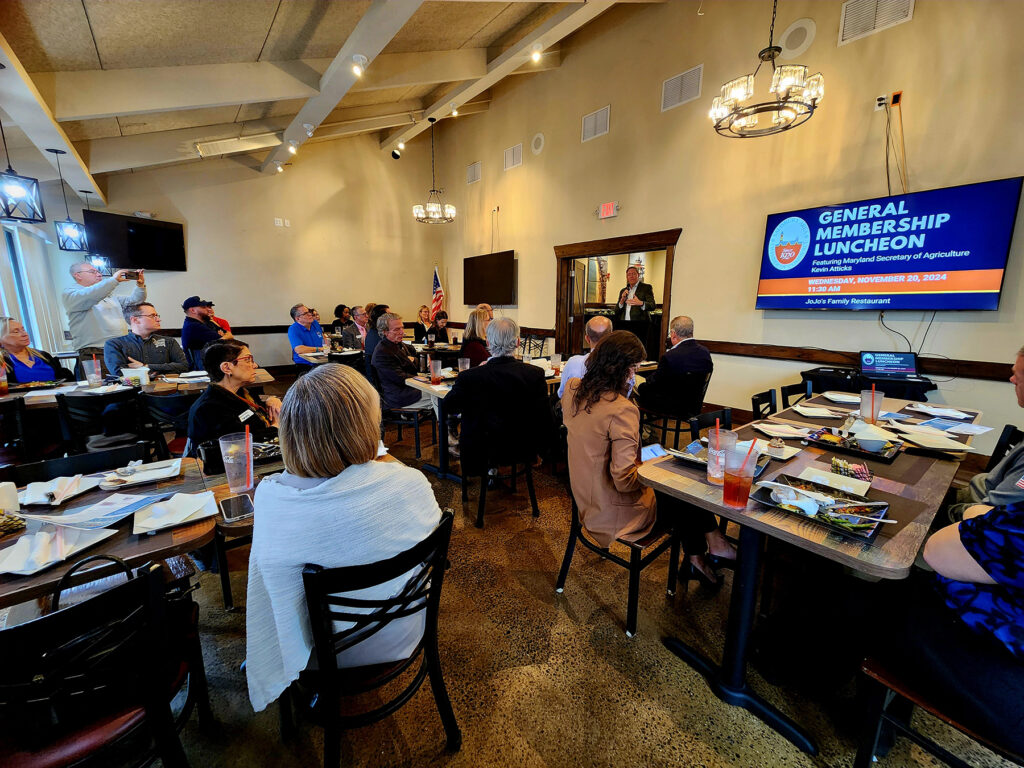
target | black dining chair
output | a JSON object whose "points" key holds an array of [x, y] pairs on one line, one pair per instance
{"points": [[85, 416], [707, 420], [92, 675], [642, 553], [763, 404], [794, 393], [690, 390], [1009, 438], [76, 464], [330, 606], [486, 477], [403, 418], [168, 413], [12, 428]]}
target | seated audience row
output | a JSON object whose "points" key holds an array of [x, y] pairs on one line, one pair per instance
{"points": [[141, 347]]}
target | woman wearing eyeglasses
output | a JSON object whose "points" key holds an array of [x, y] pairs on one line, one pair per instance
{"points": [[23, 363], [225, 406]]}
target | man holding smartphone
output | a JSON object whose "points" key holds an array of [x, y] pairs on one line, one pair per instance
{"points": [[94, 314]]}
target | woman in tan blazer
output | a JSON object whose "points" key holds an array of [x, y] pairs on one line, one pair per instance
{"points": [[604, 458]]}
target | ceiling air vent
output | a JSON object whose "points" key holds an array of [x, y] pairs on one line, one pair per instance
{"points": [[514, 156], [595, 124], [473, 173], [861, 18], [681, 88]]}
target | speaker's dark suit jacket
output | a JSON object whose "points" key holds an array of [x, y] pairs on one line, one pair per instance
{"points": [[643, 293], [506, 415], [670, 387]]}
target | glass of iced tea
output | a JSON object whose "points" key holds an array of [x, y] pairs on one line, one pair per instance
{"points": [[556, 363], [435, 372], [719, 441], [740, 463]]}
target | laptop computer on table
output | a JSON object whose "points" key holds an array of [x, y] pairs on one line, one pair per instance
{"points": [[889, 365]]}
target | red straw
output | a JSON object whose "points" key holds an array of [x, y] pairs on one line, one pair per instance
{"points": [[248, 456], [750, 450], [872, 403], [718, 430]]}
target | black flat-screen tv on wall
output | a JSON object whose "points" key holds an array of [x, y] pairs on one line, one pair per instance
{"points": [[129, 242], [489, 279]]}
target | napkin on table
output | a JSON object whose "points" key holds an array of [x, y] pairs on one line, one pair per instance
{"points": [[34, 552], [54, 492], [180, 508]]}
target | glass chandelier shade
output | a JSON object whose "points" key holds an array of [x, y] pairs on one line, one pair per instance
{"points": [[735, 114], [19, 198], [70, 234], [435, 210]]}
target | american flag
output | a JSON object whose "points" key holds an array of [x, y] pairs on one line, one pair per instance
{"points": [[437, 303], [1020, 483]]}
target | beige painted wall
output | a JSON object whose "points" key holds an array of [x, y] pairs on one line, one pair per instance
{"points": [[352, 237], [671, 170]]}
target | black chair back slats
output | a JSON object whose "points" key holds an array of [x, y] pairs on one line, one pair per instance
{"points": [[84, 415], [763, 404], [707, 420], [1009, 438], [794, 393]]}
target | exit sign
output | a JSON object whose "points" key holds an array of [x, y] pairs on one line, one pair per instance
{"points": [[608, 210]]}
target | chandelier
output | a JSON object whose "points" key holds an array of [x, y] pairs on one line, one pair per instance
{"points": [[796, 96], [435, 210]]}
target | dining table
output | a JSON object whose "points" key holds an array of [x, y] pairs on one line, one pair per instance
{"points": [[914, 484]]}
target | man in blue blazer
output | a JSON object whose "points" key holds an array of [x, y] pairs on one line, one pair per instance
{"points": [[669, 388]]}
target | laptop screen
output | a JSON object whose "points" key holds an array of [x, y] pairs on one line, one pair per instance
{"points": [[888, 363]]}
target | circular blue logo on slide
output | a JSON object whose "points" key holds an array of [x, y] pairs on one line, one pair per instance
{"points": [[789, 243], [868, 359]]}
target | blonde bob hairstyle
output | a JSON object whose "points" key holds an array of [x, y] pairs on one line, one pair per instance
{"points": [[476, 325], [330, 419]]}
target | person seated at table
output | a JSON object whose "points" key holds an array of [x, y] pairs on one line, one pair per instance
{"points": [[372, 336], [392, 366], [303, 337], [662, 389], [1005, 483], [198, 330], [506, 417], [958, 636], [23, 363], [335, 506], [141, 347], [474, 344], [604, 458], [423, 322], [354, 334], [224, 324], [316, 320], [488, 309], [342, 318], [225, 406], [596, 329], [439, 328]]}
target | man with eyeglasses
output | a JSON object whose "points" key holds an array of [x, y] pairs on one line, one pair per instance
{"points": [[199, 330], [141, 346], [304, 336], [94, 313], [353, 335]]}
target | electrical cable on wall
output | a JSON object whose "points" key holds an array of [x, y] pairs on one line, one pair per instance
{"points": [[923, 338], [881, 319], [494, 226]]}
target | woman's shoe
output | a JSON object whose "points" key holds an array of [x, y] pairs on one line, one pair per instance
{"points": [[705, 576]]}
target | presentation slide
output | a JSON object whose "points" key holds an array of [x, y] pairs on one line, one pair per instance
{"points": [[942, 249]]}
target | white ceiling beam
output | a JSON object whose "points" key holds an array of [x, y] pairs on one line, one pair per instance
{"points": [[27, 108], [559, 26], [381, 22], [92, 94]]}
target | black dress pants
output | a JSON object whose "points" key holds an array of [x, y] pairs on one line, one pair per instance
{"points": [[690, 522]]}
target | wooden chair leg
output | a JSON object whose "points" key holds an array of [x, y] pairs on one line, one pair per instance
{"points": [[633, 599], [563, 573], [533, 493], [483, 501]]}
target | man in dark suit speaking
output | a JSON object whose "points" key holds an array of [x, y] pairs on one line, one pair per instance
{"points": [[667, 389], [636, 300]]}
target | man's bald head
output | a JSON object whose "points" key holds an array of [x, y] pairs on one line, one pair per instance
{"points": [[597, 328], [681, 328]]}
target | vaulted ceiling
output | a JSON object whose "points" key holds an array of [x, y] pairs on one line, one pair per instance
{"points": [[126, 84]]}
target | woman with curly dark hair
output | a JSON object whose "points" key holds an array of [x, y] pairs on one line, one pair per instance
{"points": [[604, 456]]}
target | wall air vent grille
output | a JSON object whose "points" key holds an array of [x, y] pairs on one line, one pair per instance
{"points": [[473, 173], [514, 156], [596, 124], [861, 18], [682, 88]]}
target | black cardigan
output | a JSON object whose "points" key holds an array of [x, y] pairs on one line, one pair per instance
{"points": [[217, 412]]}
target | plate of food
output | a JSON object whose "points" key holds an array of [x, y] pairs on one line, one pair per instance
{"points": [[878, 450], [839, 510], [33, 385]]}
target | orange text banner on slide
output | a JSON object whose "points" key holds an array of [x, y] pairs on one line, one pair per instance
{"points": [[964, 281]]}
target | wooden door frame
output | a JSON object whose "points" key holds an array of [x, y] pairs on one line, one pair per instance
{"points": [[650, 241]]}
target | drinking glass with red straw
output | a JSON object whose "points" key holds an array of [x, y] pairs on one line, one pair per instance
{"points": [[248, 457], [872, 403]]}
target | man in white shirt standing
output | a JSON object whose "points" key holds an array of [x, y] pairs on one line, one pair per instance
{"points": [[597, 328], [636, 300], [94, 314]]}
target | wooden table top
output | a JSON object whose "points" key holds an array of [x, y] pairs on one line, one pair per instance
{"points": [[914, 485]]}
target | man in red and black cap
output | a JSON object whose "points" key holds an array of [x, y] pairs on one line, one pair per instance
{"points": [[199, 330]]}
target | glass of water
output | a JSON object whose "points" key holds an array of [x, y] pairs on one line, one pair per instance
{"points": [[237, 453]]}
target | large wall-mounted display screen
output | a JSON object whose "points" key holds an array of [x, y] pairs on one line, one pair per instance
{"points": [[936, 250], [130, 242]]}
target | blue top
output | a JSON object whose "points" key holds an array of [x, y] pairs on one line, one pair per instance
{"points": [[996, 541], [195, 334], [299, 336], [39, 371]]}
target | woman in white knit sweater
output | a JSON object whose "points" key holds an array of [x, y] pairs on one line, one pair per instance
{"points": [[334, 506]]}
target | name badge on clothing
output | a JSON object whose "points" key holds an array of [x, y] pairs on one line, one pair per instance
{"points": [[245, 415], [159, 343]]}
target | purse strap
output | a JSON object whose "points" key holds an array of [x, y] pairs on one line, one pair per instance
{"points": [[65, 580]]}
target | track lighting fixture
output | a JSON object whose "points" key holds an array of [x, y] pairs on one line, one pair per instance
{"points": [[309, 127], [293, 146], [359, 63]]}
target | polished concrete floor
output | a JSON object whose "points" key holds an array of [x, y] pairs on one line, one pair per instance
{"points": [[543, 680]]}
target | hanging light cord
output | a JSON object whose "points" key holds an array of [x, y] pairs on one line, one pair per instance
{"points": [[6, 153], [771, 38], [433, 181], [62, 190]]}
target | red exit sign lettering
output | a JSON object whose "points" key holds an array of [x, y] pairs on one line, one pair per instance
{"points": [[608, 210]]}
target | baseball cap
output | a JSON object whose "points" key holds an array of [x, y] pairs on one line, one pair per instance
{"points": [[195, 301]]}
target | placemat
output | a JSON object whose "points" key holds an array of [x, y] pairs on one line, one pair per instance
{"points": [[971, 415], [906, 468]]}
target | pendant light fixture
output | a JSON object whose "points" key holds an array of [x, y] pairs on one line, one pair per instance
{"points": [[435, 211], [19, 195], [795, 97], [70, 234]]}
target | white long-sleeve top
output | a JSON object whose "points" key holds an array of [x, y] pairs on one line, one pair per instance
{"points": [[94, 315], [368, 513]]}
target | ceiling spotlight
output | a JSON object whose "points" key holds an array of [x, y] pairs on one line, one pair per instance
{"points": [[359, 63], [455, 110], [396, 154], [293, 146], [280, 167], [401, 145], [309, 129], [537, 49]]}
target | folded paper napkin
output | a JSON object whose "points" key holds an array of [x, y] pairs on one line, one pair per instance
{"points": [[180, 508], [32, 553], [949, 413], [940, 443], [817, 413], [145, 473], [781, 430], [839, 482], [54, 492], [194, 375], [842, 397], [106, 390], [864, 431]]}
